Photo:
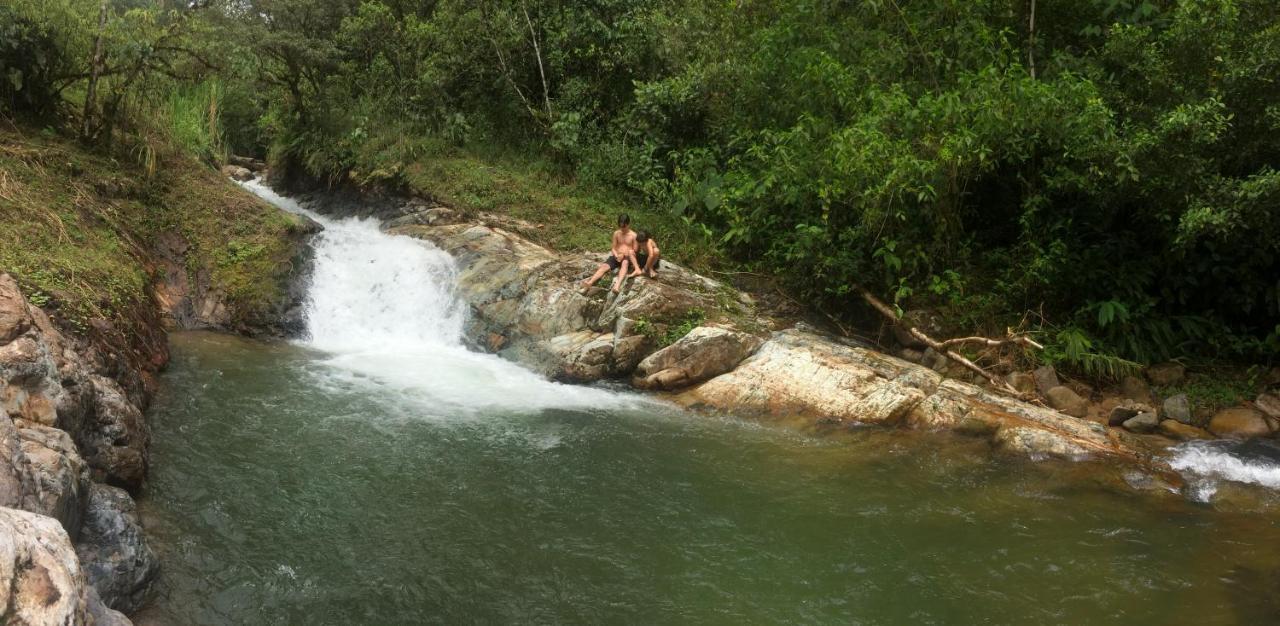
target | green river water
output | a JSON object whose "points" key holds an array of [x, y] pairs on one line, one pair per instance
{"points": [[286, 490]]}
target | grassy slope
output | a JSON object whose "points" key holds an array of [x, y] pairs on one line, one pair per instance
{"points": [[76, 227], [573, 216]]}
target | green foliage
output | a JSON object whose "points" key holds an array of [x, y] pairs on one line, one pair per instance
{"points": [[195, 120], [1114, 178]]}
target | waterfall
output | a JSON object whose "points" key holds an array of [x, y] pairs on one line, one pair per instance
{"points": [[383, 308]]}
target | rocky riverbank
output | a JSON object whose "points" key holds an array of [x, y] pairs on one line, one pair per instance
{"points": [[80, 354], [710, 347]]}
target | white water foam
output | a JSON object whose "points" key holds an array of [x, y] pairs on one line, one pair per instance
{"points": [[1205, 463], [383, 308]]}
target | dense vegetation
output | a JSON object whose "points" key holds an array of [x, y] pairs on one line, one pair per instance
{"points": [[1103, 172]]}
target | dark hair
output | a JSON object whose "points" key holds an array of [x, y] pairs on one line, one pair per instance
{"points": [[642, 236], [624, 219]]}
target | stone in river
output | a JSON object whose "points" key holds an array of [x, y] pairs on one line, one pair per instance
{"points": [[1142, 423], [1239, 423], [1182, 432]]}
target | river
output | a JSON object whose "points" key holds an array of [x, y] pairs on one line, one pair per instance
{"points": [[380, 473]]}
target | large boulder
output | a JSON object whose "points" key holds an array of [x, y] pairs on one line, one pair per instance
{"points": [[1182, 432], [703, 353], [116, 443], [59, 482], [1177, 407], [1064, 399], [236, 172], [114, 552], [1239, 423], [41, 583], [801, 373], [1046, 378], [1145, 422]]}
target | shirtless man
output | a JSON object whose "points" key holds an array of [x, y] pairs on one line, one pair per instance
{"points": [[647, 255], [621, 258]]}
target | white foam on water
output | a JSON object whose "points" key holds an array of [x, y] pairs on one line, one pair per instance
{"points": [[384, 308], [1204, 463]]}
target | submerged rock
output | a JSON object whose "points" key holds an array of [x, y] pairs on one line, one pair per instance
{"points": [[1036, 442]]}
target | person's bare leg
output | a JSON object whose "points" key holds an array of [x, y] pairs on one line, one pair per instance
{"points": [[649, 263], [635, 267], [600, 270], [622, 275]]}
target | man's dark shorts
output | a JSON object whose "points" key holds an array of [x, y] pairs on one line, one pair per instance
{"points": [[642, 259], [613, 263]]}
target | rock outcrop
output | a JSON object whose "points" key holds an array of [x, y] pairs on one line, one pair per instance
{"points": [[526, 305], [41, 582], [66, 421], [114, 553]]}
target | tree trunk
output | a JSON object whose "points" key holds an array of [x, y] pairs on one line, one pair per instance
{"points": [[86, 128]]}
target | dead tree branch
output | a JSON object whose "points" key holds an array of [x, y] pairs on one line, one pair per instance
{"points": [[945, 347]]}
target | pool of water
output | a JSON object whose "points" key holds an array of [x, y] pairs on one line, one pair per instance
{"points": [[290, 488]]}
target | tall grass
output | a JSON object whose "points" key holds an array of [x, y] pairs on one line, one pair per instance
{"points": [[195, 120]]}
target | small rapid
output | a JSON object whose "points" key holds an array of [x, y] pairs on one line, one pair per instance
{"points": [[1206, 463], [383, 308]]}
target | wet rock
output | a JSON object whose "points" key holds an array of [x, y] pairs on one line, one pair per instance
{"points": [[249, 163], [1038, 443], [1182, 432], [1067, 401], [115, 444], [113, 551], [235, 172], [1166, 374], [1126, 410], [1136, 389], [1046, 379], [1178, 408], [703, 353], [798, 373], [1269, 404], [40, 577], [1239, 423], [1144, 422]]}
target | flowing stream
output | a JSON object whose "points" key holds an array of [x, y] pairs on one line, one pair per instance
{"points": [[380, 473]]}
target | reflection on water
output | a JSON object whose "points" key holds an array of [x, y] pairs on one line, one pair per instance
{"points": [[289, 491]]}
